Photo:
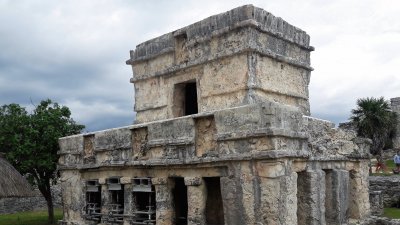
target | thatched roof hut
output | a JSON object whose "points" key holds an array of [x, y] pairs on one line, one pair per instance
{"points": [[12, 183]]}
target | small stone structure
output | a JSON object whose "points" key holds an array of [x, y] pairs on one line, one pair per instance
{"points": [[222, 136], [395, 105], [390, 187]]}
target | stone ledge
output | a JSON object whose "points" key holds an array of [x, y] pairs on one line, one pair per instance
{"points": [[243, 16], [200, 61]]}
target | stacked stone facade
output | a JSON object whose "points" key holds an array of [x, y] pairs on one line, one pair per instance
{"points": [[222, 136], [395, 105]]}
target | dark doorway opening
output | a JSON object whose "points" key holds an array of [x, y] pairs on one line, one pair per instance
{"points": [[185, 99], [180, 200], [214, 205], [190, 99]]}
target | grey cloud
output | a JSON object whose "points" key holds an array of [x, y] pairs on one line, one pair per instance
{"points": [[74, 51]]}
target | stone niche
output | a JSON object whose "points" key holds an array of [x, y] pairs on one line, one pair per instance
{"points": [[222, 136]]}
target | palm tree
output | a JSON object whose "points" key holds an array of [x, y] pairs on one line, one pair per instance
{"points": [[375, 120]]}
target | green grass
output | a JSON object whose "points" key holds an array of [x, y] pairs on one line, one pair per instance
{"points": [[390, 164], [29, 218], [393, 213]]}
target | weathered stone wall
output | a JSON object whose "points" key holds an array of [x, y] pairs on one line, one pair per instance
{"points": [[240, 57], [390, 187], [395, 105], [37, 202], [14, 205], [270, 159], [251, 136]]}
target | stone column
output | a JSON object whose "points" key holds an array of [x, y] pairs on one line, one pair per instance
{"points": [[311, 197], [165, 213], [359, 207], [337, 196], [105, 196], [127, 182], [197, 197], [233, 213]]}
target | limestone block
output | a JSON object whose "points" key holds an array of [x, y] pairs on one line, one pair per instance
{"points": [[125, 180], [205, 140], [71, 144], [159, 180], [359, 207], [270, 169], [270, 189], [197, 196], [311, 197], [102, 180], [193, 181], [165, 214], [233, 207], [337, 196], [113, 139], [172, 131], [288, 203]]}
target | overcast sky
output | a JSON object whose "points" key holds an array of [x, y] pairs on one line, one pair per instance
{"points": [[74, 51]]}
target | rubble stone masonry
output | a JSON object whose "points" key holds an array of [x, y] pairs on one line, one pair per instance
{"points": [[223, 135]]}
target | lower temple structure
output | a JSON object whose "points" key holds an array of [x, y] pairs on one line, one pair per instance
{"points": [[222, 136]]}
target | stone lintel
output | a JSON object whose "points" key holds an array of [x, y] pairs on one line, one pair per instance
{"points": [[159, 181], [269, 169], [125, 180], [193, 181], [102, 180]]}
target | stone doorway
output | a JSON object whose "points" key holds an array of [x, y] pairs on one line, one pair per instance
{"points": [[180, 201], [214, 205]]}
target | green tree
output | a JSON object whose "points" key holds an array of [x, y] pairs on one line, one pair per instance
{"points": [[30, 141], [375, 120]]}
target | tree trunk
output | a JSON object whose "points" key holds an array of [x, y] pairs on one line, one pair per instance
{"points": [[46, 192], [50, 208]]}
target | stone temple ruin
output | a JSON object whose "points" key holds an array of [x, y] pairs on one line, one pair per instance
{"points": [[222, 136]]}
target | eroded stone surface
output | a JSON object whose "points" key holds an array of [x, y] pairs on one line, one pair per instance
{"points": [[251, 137]]}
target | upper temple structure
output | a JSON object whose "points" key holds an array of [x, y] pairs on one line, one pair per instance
{"points": [[223, 136]]}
